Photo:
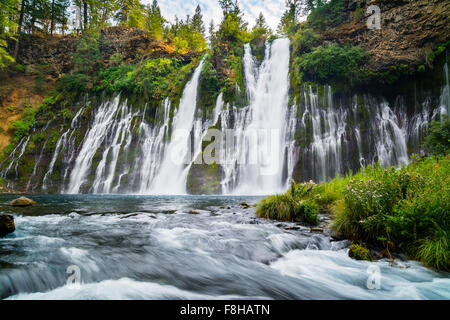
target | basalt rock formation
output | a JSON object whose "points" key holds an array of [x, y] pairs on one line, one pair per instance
{"points": [[407, 34]]}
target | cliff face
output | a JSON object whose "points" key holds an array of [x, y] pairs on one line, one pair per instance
{"points": [[409, 30]]}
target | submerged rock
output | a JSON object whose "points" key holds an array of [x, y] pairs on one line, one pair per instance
{"points": [[6, 224], [22, 202]]}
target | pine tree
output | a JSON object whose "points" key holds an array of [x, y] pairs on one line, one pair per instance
{"points": [[212, 33], [155, 21], [197, 21], [227, 6], [261, 23]]}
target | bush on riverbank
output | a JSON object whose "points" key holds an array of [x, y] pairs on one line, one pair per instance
{"points": [[291, 206], [404, 210]]}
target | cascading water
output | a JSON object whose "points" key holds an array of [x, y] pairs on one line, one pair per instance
{"points": [[171, 178], [328, 128], [445, 96], [102, 125], [254, 162], [391, 145], [152, 142]]}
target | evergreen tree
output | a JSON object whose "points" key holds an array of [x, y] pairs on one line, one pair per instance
{"points": [[197, 21], [154, 23], [261, 23], [227, 6], [8, 25], [290, 17], [212, 33]]}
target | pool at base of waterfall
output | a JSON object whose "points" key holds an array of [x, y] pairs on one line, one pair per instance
{"points": [[154, 247]]}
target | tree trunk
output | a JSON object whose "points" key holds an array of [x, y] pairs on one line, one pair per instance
{"points": [[19, 30], [33, 18], [63, 21], [85, 12], [52, 23]]}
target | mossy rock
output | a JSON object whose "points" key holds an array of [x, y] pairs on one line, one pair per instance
{"points": [[22, 202], [359, 252]]}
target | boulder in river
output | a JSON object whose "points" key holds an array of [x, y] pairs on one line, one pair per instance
{"points": [[6, 224], [22, 202], [244, 205], [194, 212]]}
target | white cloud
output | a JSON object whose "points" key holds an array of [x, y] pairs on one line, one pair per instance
{"points": [[272, 10]]}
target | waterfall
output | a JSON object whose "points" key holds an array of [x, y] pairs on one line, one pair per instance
{"points": [[342, 134], [292, 150], [38, 160], [101, 126], [328, 128], [60, 142], [254, 163], [391, 140], [119, 141], [152, 142], [172, 174], [445, 96], [11, 159]]}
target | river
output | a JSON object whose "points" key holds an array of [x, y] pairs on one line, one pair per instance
{"points": [[150, 247]]}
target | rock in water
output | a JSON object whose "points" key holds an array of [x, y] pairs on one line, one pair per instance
{"points": [[22, 202], [194, 212], [6, 224], [244, 205]]}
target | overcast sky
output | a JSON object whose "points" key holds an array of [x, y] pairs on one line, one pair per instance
{"points": [[272, 10]]}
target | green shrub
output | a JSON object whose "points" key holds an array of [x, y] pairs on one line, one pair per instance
{"points": [[437, 140], [86, 58], [77, 82], [307, 211], [153, 78], [304, 41], [22, 127], [332, 63]]}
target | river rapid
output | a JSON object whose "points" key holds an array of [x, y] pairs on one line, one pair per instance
{"points": [[150, 247]]}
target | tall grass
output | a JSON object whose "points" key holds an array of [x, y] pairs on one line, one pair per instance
{"points": [[294, 205]]}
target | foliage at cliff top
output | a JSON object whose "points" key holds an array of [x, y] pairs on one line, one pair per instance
{"points": [[332, 63], [321, 14], [153, 78]]}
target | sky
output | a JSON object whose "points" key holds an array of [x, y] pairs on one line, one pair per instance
{"points": [[272, 10]]}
